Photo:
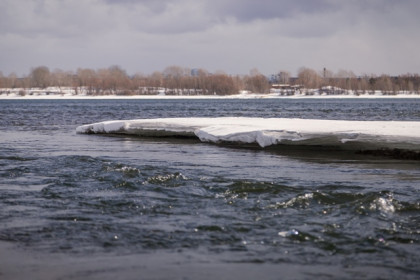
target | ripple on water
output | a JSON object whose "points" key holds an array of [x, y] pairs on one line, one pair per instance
{"points": [[93, 196]]}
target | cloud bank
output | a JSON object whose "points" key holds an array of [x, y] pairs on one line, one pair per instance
{"points": [[377, 36]]}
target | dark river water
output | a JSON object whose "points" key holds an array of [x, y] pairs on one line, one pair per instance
{"points": [[79, 206]]}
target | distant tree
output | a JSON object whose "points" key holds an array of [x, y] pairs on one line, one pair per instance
{"points": [[221, 84], [176, 77], [60, 78], [12, 80], [201, 80], [410, 86], [118, 78], [415, 78], [254, 72], [2, 80], [257, 83], [156, 79], [176, 72], [309, 78], [88, 78], [363, 83], [406, 82], [40, 77], [105, 83], [344, 79], [114, 80], [239, 83], [202, 72], [384, 83], [138, 81], [9, 81], [372, 82]]}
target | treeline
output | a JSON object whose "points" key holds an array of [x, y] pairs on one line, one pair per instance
{"points": [[347, 80], [114, 80], [179, 80]]}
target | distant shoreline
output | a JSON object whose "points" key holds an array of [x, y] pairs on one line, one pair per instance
{"points": [[327, 92], [236, 96]]}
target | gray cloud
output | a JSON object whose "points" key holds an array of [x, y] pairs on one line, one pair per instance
{"points": [[235, 36], [249, 10]]}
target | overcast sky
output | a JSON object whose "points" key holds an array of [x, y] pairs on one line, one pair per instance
{"points": [[365, 36]]}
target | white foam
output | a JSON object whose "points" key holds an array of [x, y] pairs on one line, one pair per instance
{"points": [[271, 131]]}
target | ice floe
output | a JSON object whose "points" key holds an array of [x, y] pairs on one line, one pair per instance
{"points": [[271, 131]]}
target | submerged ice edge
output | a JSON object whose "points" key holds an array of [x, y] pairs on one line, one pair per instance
{"points": [[271, 131]]}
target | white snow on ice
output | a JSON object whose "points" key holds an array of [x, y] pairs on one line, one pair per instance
{"points": [[271, 131]]}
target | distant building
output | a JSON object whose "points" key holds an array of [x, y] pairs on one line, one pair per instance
{"points": [[195, 72], [281, 86], [286, 87]]}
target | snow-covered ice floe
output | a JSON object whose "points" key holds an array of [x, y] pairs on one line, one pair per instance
{"points": [[271, 131]]}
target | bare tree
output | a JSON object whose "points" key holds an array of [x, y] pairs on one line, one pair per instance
{"points": [[138, 82], [176, 71], [10, 81], [175, 77], [384, 84], [239, 83], [118, 79], [40, 77], [344, 79], [179, 80], [221, 84], [156, 79], [201, 81], [309, 78], [3, 80], [61, 78], [88, 78], [13, 80], [257, 83]]}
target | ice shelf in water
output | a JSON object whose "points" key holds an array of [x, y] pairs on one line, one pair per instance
{"points": [[271, 131]]}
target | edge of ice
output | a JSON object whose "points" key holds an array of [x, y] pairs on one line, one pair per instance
{"points": [[269, 131]]}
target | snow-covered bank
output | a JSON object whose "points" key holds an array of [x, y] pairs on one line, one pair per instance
{"points": [[272, 131], [70, 93]]}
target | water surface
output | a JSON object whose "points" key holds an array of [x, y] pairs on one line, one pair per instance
{"points": [[88, 206]]}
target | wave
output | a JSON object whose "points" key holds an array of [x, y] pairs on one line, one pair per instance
{"points": [[352, 135]]}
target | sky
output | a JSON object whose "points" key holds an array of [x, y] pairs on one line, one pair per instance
{"points": [[233, 36]]}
